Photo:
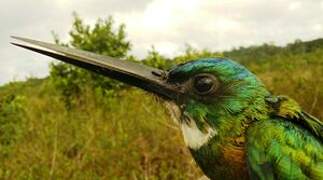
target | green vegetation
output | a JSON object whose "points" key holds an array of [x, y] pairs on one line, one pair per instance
{"points": [[79, 125]]}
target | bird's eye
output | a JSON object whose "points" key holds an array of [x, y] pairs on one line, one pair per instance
{"points": [[204, 84]]}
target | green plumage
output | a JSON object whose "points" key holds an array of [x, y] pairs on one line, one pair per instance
{"points": [[287, 145], [233, 126], [259, 136]]}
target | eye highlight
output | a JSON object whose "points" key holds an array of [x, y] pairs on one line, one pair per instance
{"points": [[204, 84]]}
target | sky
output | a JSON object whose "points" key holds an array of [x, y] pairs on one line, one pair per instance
{"points": [[168, 25]]}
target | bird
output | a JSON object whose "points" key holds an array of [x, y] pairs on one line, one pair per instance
{"points": [[232, 125]]}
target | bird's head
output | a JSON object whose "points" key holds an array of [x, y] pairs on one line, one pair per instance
{"points": [[216, 97], [213, 97]]}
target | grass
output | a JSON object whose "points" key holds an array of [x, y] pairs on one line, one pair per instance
{"points": [[126, 137], [117, 138]]}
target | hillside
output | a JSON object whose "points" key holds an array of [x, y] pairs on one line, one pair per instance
{"points": [[129, 135]]}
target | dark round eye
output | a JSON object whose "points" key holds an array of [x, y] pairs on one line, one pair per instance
{"points": [[204, 84]]}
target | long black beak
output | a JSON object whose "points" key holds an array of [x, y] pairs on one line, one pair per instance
{"points": [[145, 77]]}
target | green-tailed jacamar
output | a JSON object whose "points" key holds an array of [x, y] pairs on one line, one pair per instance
{"points": [[234, 127]]}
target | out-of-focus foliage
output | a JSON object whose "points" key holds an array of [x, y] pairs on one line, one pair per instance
{"points": [[266, 51], [11, 125], [79, 125], [103, 38], [191, 54], [155, 59], [109, 138]]}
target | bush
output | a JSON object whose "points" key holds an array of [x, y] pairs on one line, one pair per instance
{"points": [[103, 39], [11, 125]]}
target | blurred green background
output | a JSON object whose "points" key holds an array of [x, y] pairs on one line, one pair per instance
{"points": [[79, 125]]}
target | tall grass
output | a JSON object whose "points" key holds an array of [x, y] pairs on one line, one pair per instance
{"points": [[128, 136]]}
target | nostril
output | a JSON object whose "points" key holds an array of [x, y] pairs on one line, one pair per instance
{"points": [[161, 74]]}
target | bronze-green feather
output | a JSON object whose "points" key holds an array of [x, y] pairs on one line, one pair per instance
{"points": [[250, 134], [234, 127], [287, 108], [288, 145]]}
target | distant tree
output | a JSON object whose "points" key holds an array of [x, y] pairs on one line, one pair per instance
{"points": [[194, 54], [103, 38], [155, 59]]}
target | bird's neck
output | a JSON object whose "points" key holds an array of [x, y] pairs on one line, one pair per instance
{"points": [[218, 144], [224, 155], [226, 158]]}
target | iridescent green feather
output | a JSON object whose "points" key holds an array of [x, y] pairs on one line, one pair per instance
{"points": [[287, 108], [288, 145], [271, 136]]}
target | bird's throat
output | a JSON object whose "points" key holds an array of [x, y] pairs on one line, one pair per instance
{"points": [[195, 136]]}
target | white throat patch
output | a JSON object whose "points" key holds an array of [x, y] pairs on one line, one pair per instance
{"points": [[194, 137]]}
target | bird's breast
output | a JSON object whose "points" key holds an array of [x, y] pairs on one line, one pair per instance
{"points": [[222, 160]]}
